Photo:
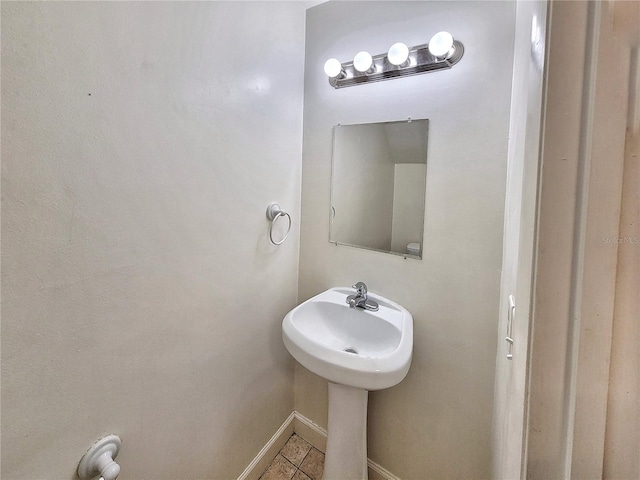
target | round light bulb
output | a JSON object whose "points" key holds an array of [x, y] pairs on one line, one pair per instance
{"points": [[332, 67], [363, 61], [441, 44], [398, 53]]}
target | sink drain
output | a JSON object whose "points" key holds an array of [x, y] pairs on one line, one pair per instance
{"points": [[350, 350]]}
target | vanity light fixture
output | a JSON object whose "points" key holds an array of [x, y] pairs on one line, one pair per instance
{"points": [[442, 52], [333, 68], [363, 63], [441, 45], [398, 55]]}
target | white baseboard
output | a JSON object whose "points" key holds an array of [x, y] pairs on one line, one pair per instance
{"points": [[377, 472], [312, 433], [269, 451]]}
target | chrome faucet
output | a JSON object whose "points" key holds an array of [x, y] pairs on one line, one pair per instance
{"points": [[360, 299]]}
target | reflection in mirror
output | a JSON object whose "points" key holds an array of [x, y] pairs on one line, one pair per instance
{"points": [[379, 176]]}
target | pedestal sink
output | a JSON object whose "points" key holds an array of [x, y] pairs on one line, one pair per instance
{"points": [[356, 350]]}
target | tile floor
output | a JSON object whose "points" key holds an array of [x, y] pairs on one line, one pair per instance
{"points": [[297, 460]]}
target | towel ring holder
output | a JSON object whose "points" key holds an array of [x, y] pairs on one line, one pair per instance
{"points": [[274, 212]]}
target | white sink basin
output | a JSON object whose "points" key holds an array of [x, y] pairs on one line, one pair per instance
{"points": [[351, 346]]}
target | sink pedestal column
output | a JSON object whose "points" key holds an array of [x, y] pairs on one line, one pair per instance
{"points": [[346, 455]]}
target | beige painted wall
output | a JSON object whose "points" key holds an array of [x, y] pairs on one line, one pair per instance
{"points": [[362, 186], [408, 204], [622, 438], [437, 422], [509, 403], [548, 384], [622, 434], [141, 143], [583, 408]]}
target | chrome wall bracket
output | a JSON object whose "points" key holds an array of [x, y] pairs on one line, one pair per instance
{"points": [[420, 61]]}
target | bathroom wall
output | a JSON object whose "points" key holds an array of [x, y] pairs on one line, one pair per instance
{"points": [[373, 191], [510, 400], [583, 382], [408, 204], [621, 457], [622, 433], [437, 422], [141, 144]]}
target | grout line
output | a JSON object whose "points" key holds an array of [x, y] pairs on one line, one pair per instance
{"points": [[295, 469], [294, 465], [305, 456], [298, 468]]}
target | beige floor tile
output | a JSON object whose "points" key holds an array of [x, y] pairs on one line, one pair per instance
{"points": [[300, 475], [313, 464], [280, 469], [295, 449]]}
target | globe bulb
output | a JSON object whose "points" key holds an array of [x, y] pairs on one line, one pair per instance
{"points": [[363, 61], [441, 44], [398, 54], [333, 68]]}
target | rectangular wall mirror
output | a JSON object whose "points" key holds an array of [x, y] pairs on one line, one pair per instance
{"points": [[379, 176]]}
